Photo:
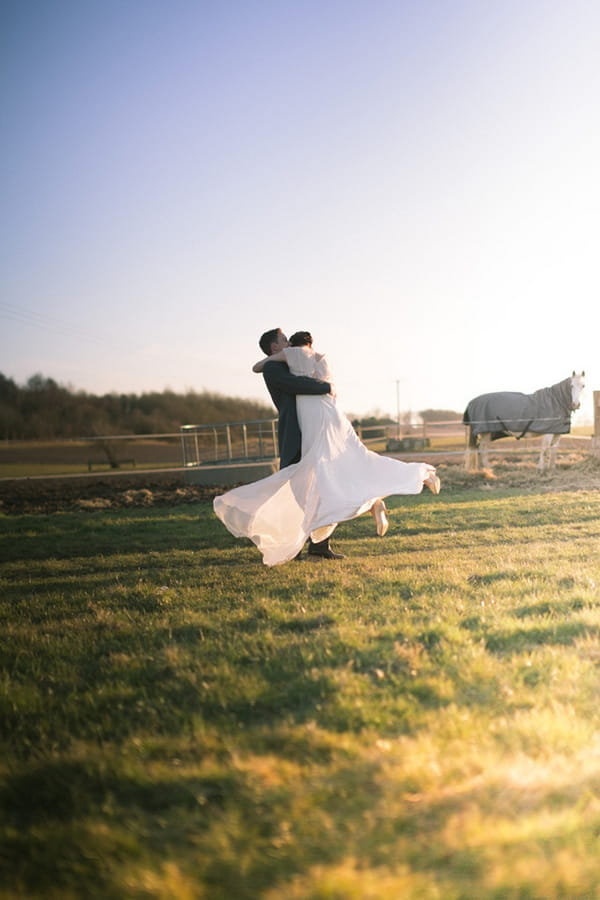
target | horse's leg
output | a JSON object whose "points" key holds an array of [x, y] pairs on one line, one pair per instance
{"points": [[484, 445], [553, 450], [541, 463], [470, 451], [545, 459]]}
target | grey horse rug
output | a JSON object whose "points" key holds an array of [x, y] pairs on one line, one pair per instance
{"points": [[506, 413]]}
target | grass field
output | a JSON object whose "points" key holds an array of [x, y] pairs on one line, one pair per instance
{"points": [[21, 459], [419, 720]]}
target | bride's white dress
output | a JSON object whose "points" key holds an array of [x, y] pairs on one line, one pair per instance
{"points": [[337, 478]]}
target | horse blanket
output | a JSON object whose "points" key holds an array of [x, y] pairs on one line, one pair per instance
{"points": [[507, 413]]}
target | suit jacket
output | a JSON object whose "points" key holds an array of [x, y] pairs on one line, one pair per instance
{"points": [[283, 387]]}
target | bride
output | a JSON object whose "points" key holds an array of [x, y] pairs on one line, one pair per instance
{"points": [[337, 478]]}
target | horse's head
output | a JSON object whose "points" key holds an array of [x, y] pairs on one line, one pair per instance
{"points": [[577, 385]]}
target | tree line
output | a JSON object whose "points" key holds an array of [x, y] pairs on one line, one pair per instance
{"points": [[41, 409]]}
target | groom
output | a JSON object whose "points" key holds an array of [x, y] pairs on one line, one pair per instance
{"points": [[283, 387]]}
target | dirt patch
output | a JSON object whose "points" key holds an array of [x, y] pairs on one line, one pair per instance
{"points": [[50, 495], [577, 472]]}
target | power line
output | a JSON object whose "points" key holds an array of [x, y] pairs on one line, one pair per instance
{"points": [[25, 316], [47, 323]]}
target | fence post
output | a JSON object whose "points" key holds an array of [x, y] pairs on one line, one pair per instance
{"points": [[260, 441], [596, 437], [183, 447]]}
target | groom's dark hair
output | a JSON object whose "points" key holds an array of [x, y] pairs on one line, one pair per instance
{"points": [[268, 338]]}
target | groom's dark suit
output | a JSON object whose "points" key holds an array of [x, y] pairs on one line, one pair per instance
{"points": [[283, 387]]}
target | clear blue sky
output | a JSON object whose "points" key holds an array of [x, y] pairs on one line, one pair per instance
{"points": [[417, 183]]}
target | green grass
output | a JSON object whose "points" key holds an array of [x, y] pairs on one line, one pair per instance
{"points": [[33, 470], [420, 720]]}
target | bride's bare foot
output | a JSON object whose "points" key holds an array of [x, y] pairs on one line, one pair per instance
{"points": [[433, 483], [379, 513]]}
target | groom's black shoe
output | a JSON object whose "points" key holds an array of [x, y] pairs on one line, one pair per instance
{"points": [[323, 550]]}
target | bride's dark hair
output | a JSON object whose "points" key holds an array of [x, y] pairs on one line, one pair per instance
{"points": [[301, 339]]}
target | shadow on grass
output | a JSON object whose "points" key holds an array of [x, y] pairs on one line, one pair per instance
{"points": [[72, 824], [68, 535], [494, 577], [162, 679], [52, 817], [506, 641], [304, 625], [559, 608]]}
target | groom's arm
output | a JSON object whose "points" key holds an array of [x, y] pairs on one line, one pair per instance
{"points": [[279, 377]]}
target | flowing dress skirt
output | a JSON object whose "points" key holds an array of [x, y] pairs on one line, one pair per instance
{"points": [[337, 479]]}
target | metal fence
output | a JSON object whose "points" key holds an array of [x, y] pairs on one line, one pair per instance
{"points": [[252, 441], [229, 442], [257, 440]]}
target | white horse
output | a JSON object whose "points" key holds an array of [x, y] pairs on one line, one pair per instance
{"points": [[546, 412]]}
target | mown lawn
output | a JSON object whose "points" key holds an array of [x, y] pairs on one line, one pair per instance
{"points": [[420, 720]]}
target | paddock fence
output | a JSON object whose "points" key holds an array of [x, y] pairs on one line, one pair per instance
{"points": [[238, 442]]}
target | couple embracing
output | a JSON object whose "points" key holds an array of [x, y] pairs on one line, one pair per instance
{"points": [[327, 474]]}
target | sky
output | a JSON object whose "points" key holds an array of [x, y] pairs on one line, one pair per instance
{"points": [[416, 182]]}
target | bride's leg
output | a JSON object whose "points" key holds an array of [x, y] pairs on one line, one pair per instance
{"points": [[379, 513], [433, 482]]}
